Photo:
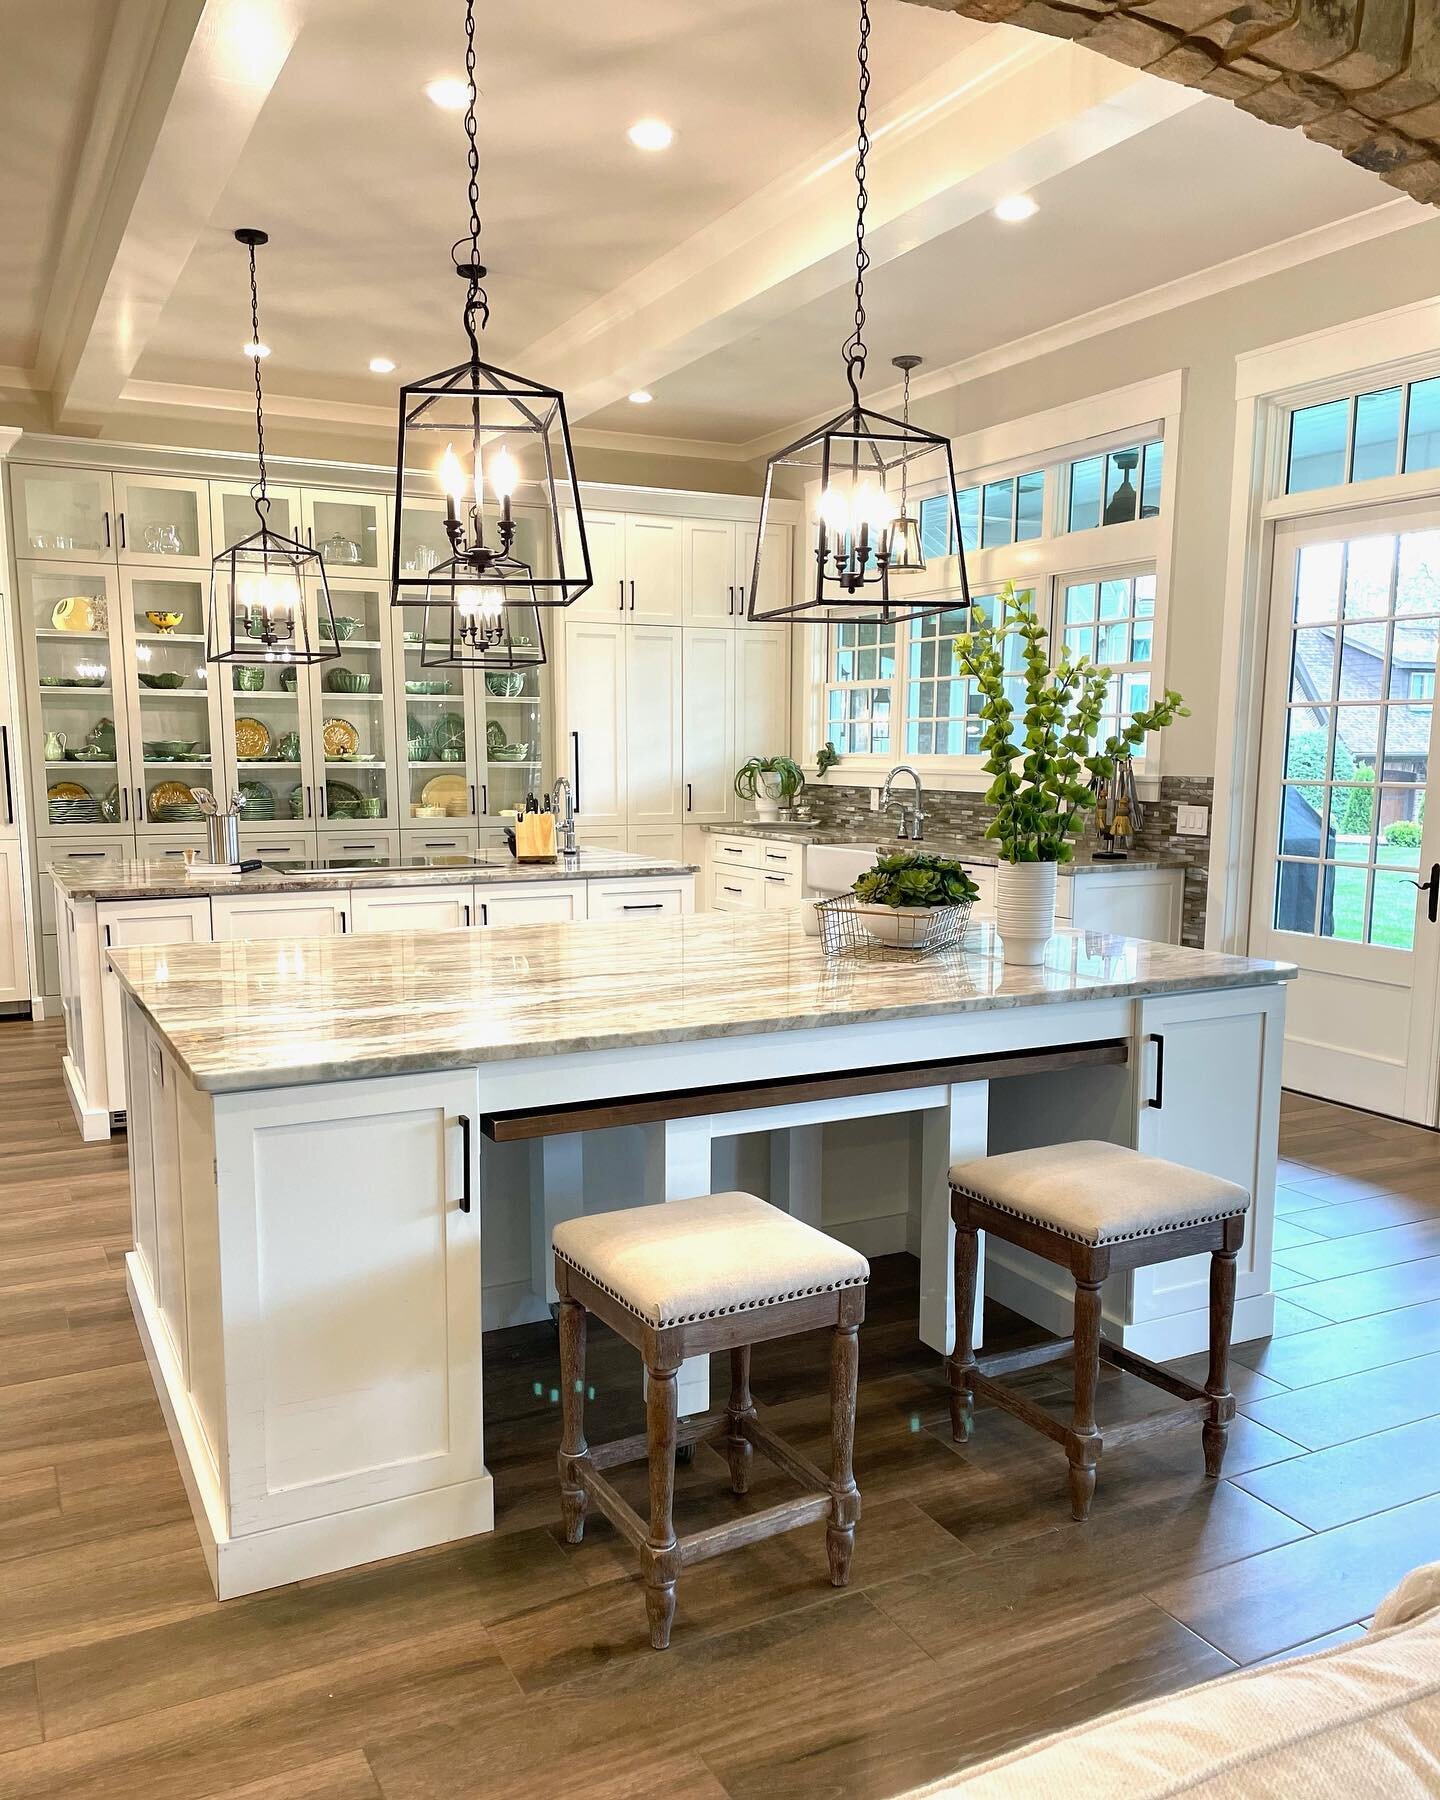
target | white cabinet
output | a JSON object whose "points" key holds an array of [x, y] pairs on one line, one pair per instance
{"points": [[440, 842], [651, 736], [607, 596], [708, 722], [448, 908], [14, 966], [762, 692], [641, 899], [62, 513], [737, 890], [122, 925], [776, 577], [164, 520], [711, 590], [351, 531], [654, 564], [280, 915], [233, 515], [537, 903], [661, 843], [595, 682]]}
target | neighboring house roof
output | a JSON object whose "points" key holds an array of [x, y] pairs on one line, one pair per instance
{"points": [[1407, 730]]}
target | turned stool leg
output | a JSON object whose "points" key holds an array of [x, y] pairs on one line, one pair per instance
{"points": [[962, 1398], [844, 1495], [1215, 1432], [738, 1449], [572, 1417], [659, 1558], [1083, 1447]]}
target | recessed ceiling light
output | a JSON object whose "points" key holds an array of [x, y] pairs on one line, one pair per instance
{"points": [[1016, 207], [380, 365], [641, 397], [256, 350], [449, 92], [650, 134]]}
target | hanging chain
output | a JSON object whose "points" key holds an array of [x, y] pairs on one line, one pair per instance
{"points": [[258, 491], [476, 301], [905, 459], [854, 350]]}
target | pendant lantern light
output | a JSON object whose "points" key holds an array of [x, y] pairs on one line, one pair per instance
{"points": [[866, 465], [907, 553], [497, 445], [258, 611], [490, 628]]}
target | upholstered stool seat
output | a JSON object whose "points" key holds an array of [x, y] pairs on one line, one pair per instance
{"points": [[719, 1272], [1096, 1209]]}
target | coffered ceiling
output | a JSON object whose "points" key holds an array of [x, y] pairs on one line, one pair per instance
{"points": [[137, 134]]}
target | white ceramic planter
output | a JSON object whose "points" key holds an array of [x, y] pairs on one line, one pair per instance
{"points": [[765, 808], [1025, 909]]}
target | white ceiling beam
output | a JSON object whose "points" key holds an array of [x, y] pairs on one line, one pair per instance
{"points": [[1005, 114], [210, 68]]}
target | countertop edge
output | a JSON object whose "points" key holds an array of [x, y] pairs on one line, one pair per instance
{"points": [[188, 887]]}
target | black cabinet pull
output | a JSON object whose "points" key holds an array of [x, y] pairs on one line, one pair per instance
{"points": [[730, 890], [1157, 1099], [632, 596], [689, 796], [575, 748], [643, 906], [465, 1163], [621, 586], [125, 804], [731, 608], [120, 518], [5, 759], [106, 518], [467, 912]]}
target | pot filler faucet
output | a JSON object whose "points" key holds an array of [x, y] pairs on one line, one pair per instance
{"points": [[912, 818], [565, 822]]}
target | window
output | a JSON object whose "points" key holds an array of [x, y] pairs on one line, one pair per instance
{"points": [[857, 702], [1420, 687], [992, 514], [1116, 488], [941, 706], [1388, 431], [1111, 619]]}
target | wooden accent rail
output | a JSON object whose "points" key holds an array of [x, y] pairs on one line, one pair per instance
{"points": [[691, 1103]]}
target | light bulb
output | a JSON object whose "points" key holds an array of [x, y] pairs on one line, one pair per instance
{"points": [[504, 474], [835, 512], [452, 476], [874, 506]]}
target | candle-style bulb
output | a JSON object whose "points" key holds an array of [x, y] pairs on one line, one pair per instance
{"points": [[452, 476], [504, 475]]}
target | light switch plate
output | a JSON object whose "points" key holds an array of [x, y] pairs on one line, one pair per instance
{"points": [[1192, 821], [875, 794]]}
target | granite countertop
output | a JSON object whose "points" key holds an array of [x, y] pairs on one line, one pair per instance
{"points": [[164, 881], [239, 1016], [973, 850]]}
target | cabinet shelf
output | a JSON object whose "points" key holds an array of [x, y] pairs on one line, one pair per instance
{"points": [[169, 637], [84, 762], [74, 693]]}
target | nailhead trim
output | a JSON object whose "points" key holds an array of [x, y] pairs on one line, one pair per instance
{"points": [[1124, 1237], [716, 1312]]}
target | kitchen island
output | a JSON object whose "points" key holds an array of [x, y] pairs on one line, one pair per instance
{"points": [[102, 905], [315, 1129]]}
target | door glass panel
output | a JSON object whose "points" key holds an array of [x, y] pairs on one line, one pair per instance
{"points": [[270, 749], [423, 542], [172, 695], [161, 521], [354, 702], [437, 727], [347, 532], [238, 518], [1356, 760], [65, 514], [79, 665]]}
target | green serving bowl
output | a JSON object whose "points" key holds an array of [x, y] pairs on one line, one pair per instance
{"points": [[167, 678], [249, 678], [289, 679], [344, 628], [347, 681], [508, 685]]}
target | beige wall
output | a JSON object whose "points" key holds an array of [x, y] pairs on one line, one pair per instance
{"points": [[1202, 338]]}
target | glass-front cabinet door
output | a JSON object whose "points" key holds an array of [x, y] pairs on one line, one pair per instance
{"points": [[269, 738], [423, 542], [349, 530], [351, 715], [176, 730], [510, 708], [232, 513], [439, 753], [162, 519], [64, 513], [75, 659]]}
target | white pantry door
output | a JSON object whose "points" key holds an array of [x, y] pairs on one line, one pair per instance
{"points": [[1347, 852]]}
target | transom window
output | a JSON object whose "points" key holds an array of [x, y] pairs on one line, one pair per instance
{"points": [[1388, 431], [1116, 488]]}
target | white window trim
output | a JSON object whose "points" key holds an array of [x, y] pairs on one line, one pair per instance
{"points": [[1079, 428], [1381, 350]]}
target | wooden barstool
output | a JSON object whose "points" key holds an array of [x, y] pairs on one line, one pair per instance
{"points": [[720, 1272], [1095, 1209]]}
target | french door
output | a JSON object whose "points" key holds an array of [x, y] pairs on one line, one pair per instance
{"points": [[1347, 855]]}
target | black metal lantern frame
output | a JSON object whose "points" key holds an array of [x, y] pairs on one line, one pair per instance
{"points": [[867, 463], [258, 606], [495, 442], [488, 627]]}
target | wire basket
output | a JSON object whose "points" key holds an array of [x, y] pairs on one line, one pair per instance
{"points": [[918, 931]]}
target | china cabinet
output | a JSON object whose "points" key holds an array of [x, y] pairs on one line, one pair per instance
{"points": [[233, 517], [351, 531], [162, 519], [62, 513]]}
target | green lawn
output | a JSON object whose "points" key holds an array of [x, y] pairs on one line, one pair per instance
{"points": [[1392, 921]]}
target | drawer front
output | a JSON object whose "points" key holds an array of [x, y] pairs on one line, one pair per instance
{"points": [[639, 899], [413, 909], [779, 891], [167, 849], [737, 890], [728, 853], [277, 846], [338, 845], [776, 859], [461, 841]]}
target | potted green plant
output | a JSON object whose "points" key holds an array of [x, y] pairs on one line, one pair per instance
{"points": [[1041, 758], [770, 782], [897, 898]]}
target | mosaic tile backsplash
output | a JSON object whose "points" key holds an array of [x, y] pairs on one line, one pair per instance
{"points": [[966, 815]]}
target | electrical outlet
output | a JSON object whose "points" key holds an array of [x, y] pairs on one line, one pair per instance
{"points": [[875, 794], [1192, 821]]}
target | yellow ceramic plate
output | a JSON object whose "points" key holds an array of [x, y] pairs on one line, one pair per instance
{"points": [[67, 790], [339, 737], [450, 791], [170, 793], [77, 613], [252, 740]]}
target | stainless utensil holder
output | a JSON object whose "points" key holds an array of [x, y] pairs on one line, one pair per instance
{"points": [[223, 831]]}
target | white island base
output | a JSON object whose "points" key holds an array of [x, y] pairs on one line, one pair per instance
{"points": [[307, 1269]]}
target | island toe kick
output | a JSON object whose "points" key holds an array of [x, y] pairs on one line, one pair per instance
{"points": [[308, 1264]]}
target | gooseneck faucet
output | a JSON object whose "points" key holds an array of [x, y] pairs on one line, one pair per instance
{"points": [[912, 818], [565, 820]]}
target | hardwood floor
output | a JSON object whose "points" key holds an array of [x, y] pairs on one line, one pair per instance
{"points": [[514, 1665]]}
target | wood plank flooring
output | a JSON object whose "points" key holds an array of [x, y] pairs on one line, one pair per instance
{"points": [[514, 1665]]}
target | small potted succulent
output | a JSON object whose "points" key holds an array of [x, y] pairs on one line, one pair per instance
{"points": [[1042, 757], [770, 782], [898, 899]]}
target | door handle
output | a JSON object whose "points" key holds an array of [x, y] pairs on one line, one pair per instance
{"points": [[120, 520], [467, 912], [307, 802], [139, 806], [472, 796], [689, 796], [484, 799], [1430, 887], [642, 906], [106, 517], [732, 603], [125, 804], [464, 1124], [575, 748], [344, 925], [5, 759], [632, 596], [741, 608], [622, 594], [1157, 1099]]}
